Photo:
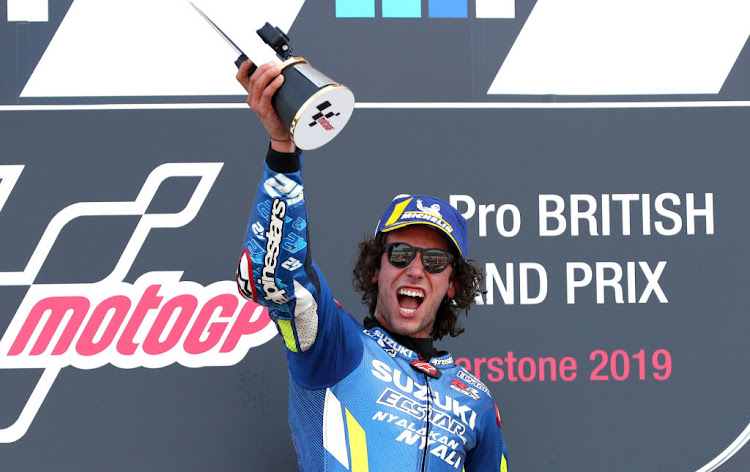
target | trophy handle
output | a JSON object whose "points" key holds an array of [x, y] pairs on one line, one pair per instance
{"points": [[242, 59]]}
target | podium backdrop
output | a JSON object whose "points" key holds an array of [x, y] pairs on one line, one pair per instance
{"points": [[599, 151]]}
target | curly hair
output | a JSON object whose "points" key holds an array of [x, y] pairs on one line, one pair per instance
{"points": [[467, 278]]}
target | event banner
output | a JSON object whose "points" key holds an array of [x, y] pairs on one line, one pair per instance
{"points": [[597, 149]]}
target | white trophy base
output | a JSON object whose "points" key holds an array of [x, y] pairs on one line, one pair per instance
{"points": [[322, 116]]}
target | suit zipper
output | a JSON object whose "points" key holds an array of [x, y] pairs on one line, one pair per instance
{"points": [[427, 422]]}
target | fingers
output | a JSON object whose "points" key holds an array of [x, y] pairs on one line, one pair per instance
{"points": [[242, 74], [262, 86], [271, 89]]}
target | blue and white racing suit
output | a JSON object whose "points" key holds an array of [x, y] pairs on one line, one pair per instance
{"points": [[358, 400]]}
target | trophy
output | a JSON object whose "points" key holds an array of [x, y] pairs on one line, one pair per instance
{"points": [[313, 106]]}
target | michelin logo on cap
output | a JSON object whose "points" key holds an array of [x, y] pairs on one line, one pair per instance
{"points": [[430, 215], [434, 209]]}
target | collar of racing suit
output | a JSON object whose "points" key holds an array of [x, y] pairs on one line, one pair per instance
{"points": [[422, 346]]}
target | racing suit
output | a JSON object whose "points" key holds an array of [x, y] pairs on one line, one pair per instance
{"points": [[359, 400]]}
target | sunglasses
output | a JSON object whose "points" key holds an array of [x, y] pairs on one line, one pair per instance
{"points": [[434, 261]]}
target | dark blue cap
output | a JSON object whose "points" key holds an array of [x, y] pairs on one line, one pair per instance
{"points": [[423, 210]]}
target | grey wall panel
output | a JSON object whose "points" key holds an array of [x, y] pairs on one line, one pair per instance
{"points": [[683, 287]]}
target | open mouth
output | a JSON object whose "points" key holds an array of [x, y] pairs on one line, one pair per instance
{"points": [[409, 300]]}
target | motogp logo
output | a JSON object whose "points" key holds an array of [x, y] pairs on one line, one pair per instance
{"points": [[322, 117], [156, 321]]}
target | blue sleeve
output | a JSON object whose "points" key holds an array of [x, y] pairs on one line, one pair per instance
{"points": [[489, 455], [276, 270]]}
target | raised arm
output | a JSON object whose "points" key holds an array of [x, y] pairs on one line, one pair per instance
{"points": [[276, 268]]}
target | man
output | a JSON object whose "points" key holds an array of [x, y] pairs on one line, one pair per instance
{"points": [[378, 398]]}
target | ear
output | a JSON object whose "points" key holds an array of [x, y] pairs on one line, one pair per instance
{"points": [[451, 288], [375, 276]]}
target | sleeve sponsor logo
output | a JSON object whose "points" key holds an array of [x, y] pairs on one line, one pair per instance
{"points": [[445, 361], [473, 381], [291, 264], [461, 387], [274, 236], [281, 186]]}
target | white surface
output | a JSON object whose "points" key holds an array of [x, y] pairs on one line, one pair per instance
{"points": [[28, 10], [625, 47], [496, 8], [153, 47], [334, 435], [342, 102]]}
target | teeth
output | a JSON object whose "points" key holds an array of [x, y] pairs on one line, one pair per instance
{"points": [[408, 311], [411, 293]]}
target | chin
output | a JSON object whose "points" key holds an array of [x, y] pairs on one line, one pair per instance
{"points": [[409, 329]]}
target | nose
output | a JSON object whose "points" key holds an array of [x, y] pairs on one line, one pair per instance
{"points": [[415, 267]]}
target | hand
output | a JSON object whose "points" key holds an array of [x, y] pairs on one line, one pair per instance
{"points": [[261, 87]]}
